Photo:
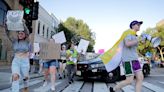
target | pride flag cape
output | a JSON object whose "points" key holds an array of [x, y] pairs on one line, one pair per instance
{"points": [[112, 58]]}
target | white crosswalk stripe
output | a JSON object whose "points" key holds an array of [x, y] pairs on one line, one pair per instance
{"points": [[21, 86], [100, 87], [128, 88], [46, 88], [162, 83], [152, 87], [75, 87]]}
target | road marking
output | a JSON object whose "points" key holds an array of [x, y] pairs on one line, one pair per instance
{"points": [[159, 75], [100, 87], [152, 87], [161, 82], [128, 88], [75, 87], [46, 88], [21, 86]]}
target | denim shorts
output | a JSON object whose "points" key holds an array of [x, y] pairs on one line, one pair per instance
{"points": [[131, 67], [20, 66], [50, 63]]}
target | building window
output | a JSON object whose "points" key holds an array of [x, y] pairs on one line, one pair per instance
{"points": [[3, 11], [39, 27], [43, 30], [47, 32]]}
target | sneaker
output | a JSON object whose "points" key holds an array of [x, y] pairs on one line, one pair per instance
{"points": [[111, 89], [52, 88], [45, 84], [60, 77], [25, 83], [70, 82]]}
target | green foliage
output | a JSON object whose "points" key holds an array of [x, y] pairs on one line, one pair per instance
{"points": [[147, 46], [77, 29]]}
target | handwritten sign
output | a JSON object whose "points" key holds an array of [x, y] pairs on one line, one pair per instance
{"points": [[14, 20], [36, 47], [83, 46], [59, 37], [49, 50]]}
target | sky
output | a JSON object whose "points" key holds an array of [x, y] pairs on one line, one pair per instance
{"points": [[108, 18]]}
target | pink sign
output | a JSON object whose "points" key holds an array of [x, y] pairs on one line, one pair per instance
{"points": [[101, 51]]}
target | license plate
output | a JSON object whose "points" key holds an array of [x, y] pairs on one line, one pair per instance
{"points": [[94, 70], [78, 73]]}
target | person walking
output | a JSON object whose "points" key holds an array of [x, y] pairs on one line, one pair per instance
{"points": [[62, 62], [130, 59], [72, 55], [20, 63], [50, 68]]}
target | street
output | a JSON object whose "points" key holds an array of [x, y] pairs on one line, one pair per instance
{"points": [[153, 83]]}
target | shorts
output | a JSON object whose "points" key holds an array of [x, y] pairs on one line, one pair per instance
{"points": [[62, 61], [131, 67], [50, 63], [20, 66]]}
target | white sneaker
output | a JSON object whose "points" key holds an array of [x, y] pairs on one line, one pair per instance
{"points": [[45, 84], [52, 88]]}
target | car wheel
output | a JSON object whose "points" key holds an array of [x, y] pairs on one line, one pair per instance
{"points": [[146, 70], [113, 76]]}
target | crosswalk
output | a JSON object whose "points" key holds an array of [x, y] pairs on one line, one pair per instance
{"points": [[81, 86]]}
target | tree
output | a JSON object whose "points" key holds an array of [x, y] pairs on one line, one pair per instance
{"points": [[147, 47], [77, 29], [160, 33]]}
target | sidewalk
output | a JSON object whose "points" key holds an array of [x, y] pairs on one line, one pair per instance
{"points": [[6, 76]]}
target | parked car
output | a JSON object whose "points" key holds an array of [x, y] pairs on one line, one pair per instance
{"points": [[96, 68]]}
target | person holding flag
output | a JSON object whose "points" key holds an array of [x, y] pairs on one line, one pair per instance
{"points": [[125, 52]]}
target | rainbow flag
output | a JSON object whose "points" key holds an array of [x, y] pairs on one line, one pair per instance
{"points": [[112, 58]]}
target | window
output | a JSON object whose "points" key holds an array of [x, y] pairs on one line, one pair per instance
{"points": [[43, 30], [47, 32], [39, 27], [3, 11]]}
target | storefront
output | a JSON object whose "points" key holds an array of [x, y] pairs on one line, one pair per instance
{"points": [[3, 10]]}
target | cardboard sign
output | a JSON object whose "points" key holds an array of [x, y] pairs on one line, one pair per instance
{"points": [[14, 20], [59, 37], [36, 47], [83, 46], [49, 50]]}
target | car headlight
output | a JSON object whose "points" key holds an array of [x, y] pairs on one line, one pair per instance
{"points": [[97, 65]]}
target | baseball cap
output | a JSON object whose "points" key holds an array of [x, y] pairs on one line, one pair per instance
{"points": [[135, 22]]}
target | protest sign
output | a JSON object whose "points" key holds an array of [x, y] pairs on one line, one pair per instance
{"points": [[49, 50], [83, 46], [14, 20], [36, 47], [59, 37]]}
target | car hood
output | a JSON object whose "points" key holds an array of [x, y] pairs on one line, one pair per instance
{"points": [[92, 61]]}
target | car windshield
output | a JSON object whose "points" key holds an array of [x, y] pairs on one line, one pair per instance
{"points": [[91, 59]]}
